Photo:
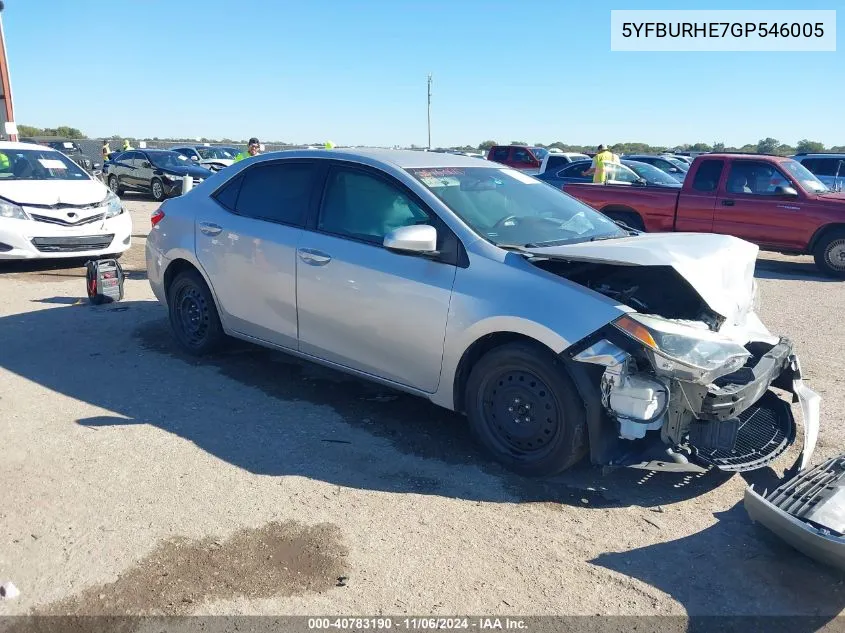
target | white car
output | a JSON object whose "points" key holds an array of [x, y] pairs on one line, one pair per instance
{"points": [[213, 158], [51, 208]]}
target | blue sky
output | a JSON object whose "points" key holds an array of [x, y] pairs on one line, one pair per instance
{"points": [[355, 73]]}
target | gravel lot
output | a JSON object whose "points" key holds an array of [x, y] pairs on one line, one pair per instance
{"points": [[136, 480]]}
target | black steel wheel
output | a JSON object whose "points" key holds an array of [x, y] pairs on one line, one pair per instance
{"points": [[525, 411], [193, 315]]}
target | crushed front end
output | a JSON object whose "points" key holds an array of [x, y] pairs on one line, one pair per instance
{"points": [[685, 397]]}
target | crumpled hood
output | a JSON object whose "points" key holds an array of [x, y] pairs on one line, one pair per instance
{"points": [[719, 267], [50, 192]]}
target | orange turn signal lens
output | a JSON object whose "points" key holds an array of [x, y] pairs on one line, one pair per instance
{"points": [[637, 330]]}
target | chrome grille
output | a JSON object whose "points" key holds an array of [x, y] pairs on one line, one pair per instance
{"points": [[62, 222]]}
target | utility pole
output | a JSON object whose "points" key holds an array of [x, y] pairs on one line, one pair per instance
{"points": [[429, 111], [7, 113]]}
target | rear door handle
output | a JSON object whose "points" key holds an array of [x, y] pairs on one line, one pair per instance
{"points": [[727, 203], [209, 228], [314, 257]]}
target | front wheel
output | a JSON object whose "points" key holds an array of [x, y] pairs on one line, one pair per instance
{"points": [[193, 315], [114, 185], [524, 409], [157, 189], [830, 253]]}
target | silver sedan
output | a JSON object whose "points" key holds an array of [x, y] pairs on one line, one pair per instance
{"points": [[557, 331]]}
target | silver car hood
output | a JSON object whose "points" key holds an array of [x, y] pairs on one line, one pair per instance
{"points": [[719, 267]]}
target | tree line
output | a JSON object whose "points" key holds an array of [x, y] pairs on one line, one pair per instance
{"points": [[763, 146]]}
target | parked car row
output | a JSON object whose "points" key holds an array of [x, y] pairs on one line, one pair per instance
{"points": [[158, 172]]}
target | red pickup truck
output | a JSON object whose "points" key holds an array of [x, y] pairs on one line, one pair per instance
{"points": [[772, 201]]}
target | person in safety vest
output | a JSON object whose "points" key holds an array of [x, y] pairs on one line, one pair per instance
{"points": [[126, 145], [329, 145], [106, 150], [601, 160], [253, 149]]}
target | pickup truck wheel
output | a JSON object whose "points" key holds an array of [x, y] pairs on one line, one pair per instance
{"points": [[830, 253], [524, 409]]}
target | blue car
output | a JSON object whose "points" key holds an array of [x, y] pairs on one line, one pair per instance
{"points": [[630, 172]]}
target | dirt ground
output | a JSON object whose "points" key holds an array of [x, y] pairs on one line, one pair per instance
{"points": [[136, 480]]}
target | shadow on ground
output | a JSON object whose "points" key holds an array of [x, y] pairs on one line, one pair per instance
{"points": [[735, 568], [790, 270], [272, 415], [320, 424], [64, 269]]}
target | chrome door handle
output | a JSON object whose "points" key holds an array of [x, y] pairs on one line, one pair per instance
{"points": [[210, 228], [313, 257]]}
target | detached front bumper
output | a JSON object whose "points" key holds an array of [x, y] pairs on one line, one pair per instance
{"points": [[807, 511]]}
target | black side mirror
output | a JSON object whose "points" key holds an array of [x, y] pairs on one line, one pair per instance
{"points": [[640, 182], [787, 191], [146, 164]]}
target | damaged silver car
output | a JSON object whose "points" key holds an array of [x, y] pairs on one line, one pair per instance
{"points": [[559, 332]]}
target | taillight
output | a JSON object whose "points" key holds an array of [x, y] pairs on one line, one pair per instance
{"points": [[157, 217]]}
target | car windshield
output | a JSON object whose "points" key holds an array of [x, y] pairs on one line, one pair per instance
{"points": [[214, 152], [508, 207], [651, 174], [38, 164], [678, 163], [166, 160], [66, 147], [804, 176]]}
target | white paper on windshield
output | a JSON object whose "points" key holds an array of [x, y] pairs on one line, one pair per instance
{"points": [[51, 163], [446, 181], [68, 145], [180, 157], [513, 173]]}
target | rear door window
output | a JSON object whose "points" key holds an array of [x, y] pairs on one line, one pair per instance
{"points": [[276, 192]]}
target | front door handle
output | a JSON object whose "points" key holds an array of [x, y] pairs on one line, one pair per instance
{"points": [[314, 257], [727, 203], [209, 228]]}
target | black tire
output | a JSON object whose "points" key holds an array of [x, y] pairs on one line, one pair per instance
{"points": [[193, 315], [627, 217], [528, 381], [829, 253], [114, 185], [157, 189]]}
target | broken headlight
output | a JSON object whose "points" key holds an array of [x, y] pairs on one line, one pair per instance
{"points": [[684, 352], [755, 298]]}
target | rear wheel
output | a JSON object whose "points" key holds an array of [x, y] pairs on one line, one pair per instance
{"points": [[830, 253], [193, 315], [524, 409]]}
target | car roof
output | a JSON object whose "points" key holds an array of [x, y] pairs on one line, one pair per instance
{"points": [[774, 157], [821, 155], [14, 145], [403, 159]]}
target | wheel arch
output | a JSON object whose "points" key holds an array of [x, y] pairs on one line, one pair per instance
{"points": [[602, 439], [821, 232], [621, 209]]}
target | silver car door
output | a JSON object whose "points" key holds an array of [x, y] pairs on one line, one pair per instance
{"points": [[361, 305], [246, 235]]}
